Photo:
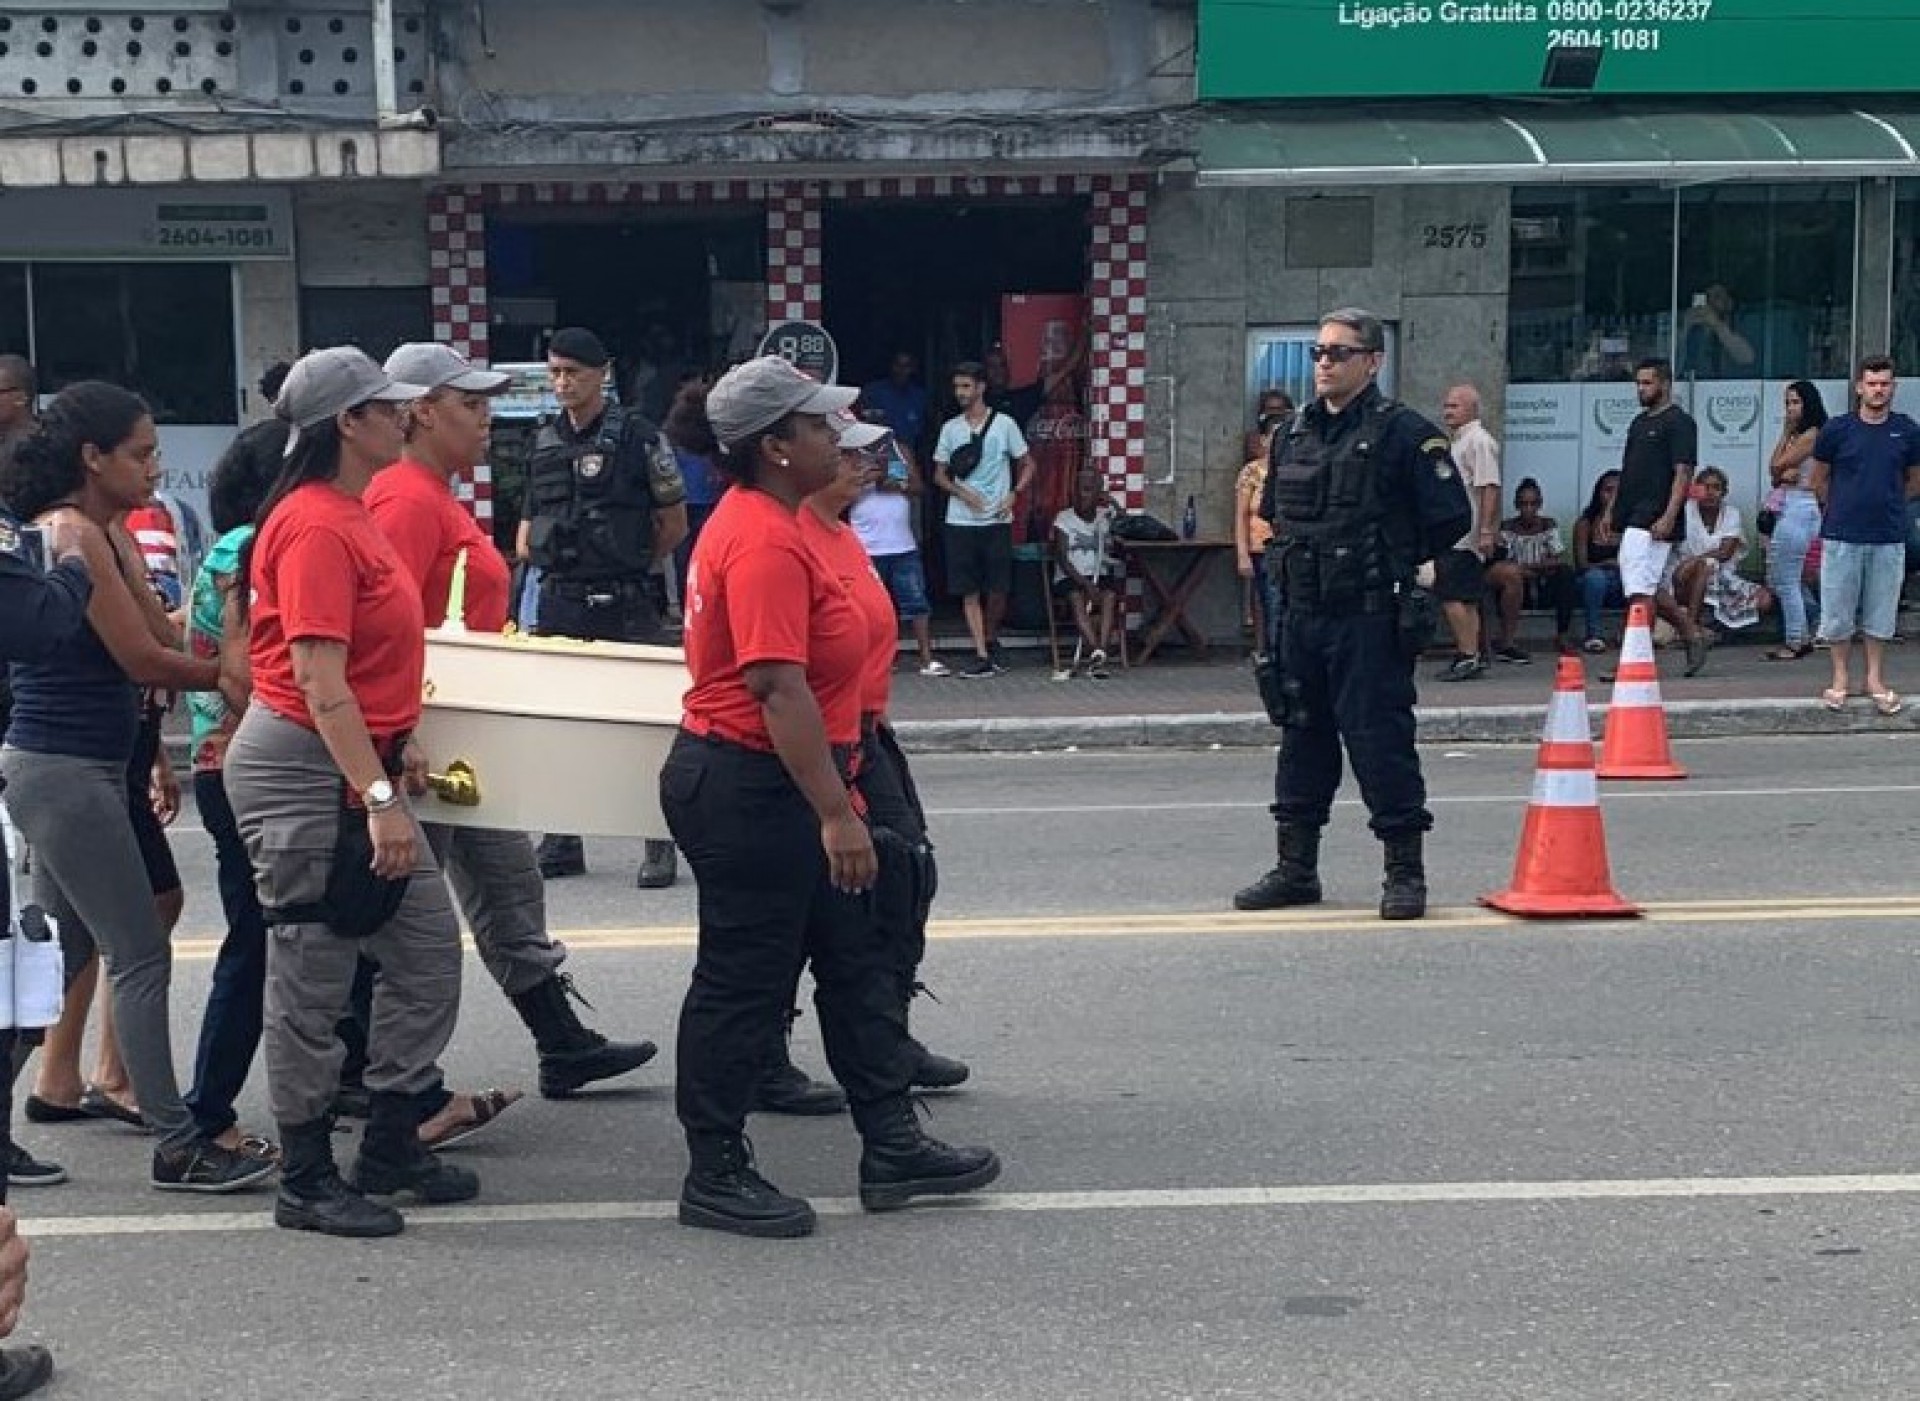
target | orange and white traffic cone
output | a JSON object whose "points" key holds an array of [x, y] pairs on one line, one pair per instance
{"points": [[1635, 744], [1561, 870]]}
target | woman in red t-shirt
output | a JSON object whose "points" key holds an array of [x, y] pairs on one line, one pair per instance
{"points": [[884, 781], [495, 875], [757, 791], [336, 642]]}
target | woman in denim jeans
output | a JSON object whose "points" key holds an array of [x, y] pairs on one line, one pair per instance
{"points": [[1596, 557], [1798, 525]]}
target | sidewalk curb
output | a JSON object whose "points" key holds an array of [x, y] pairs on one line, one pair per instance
{"points": [[1463, 724], [1485, 724]]}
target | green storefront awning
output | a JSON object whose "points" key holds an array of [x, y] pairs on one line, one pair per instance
{"points": [[1517, 143]]}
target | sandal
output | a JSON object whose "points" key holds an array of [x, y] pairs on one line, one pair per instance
{"points": [[1888, 702], [488, 1105], [1834, 699], [1786, 652]]}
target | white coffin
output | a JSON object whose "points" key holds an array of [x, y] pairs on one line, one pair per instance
{"points": [[560, 736]]}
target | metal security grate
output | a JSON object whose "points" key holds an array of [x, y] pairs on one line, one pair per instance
{"points": [[329, 54], [321, 53]]}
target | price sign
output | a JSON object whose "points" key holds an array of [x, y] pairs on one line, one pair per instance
{"points": [[806, 346]]}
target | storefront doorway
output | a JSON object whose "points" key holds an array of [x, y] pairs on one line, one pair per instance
{"points": [[936, 279], [670, 290]]}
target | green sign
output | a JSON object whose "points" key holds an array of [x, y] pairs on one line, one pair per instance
{"points": [[1344, 48]]}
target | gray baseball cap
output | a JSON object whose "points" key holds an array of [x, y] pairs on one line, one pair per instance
{"points": [[856, 433], [753, 397], [434, 366], [328, 382]]}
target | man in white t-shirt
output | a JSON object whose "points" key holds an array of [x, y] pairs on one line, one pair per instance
{"points": [[1460, 574], [975, 462]]}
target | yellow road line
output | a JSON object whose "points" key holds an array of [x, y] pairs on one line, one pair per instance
{"points": [[1220, 923]]}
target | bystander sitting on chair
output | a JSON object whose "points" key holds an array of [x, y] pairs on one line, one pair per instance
{"points": [[1706, 572], [1086, 572], [1532, 561], [1596, 558]]}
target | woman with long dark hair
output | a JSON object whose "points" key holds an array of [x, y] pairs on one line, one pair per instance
{"points": [[76, 717], [336, 642], [758, 792], [1596, 557], [1797, 517], [230, 1026]]}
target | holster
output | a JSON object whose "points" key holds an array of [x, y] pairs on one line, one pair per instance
{"points": [[356, 902], [1418, 614]]}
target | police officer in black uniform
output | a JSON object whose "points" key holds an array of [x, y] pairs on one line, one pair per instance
{"points": [[44, 591], [1361, 491], [605, 504]]}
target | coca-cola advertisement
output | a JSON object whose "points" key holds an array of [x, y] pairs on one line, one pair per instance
{"points": [[1044, 336]]}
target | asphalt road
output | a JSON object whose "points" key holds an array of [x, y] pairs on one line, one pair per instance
{"points": [[1301, 1156]]}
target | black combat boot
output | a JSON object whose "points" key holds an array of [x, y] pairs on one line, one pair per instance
{"points": [[930, 1071], [393, 1160], [561, 856], [785, 1088], [571, 1054], [312, 1196], [1294, 880], [898, 1162], [722, 1192], [659, 868], [1404, 895]]}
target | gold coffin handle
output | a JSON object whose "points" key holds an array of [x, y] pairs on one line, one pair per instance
{"points": [[459, 785]]}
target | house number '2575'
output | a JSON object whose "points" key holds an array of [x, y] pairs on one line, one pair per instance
{"points": [[1472, 235]]}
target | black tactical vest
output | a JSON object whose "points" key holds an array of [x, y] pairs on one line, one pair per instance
{"points": [[1332, 522], [589, 507]]}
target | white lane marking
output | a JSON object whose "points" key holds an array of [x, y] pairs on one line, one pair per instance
{"points": [[1391, 1194], [1609, 794]]}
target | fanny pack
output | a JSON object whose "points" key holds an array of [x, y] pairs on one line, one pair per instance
{"points": [[968, 456]]}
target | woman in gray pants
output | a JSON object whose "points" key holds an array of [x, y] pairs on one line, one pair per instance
{"points": [[337, 646], [93, 457]]}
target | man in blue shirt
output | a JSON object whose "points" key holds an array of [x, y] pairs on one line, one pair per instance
{"points": [[974, 462], [900, 400], [1865, 466]]}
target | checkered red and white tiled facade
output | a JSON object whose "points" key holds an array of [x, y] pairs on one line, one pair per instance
{"points": [[794, 235], [1117, 354], [457, 259], [1116, 284]]}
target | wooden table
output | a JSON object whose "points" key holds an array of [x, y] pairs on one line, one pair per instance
{"points": [[1174, 570]]}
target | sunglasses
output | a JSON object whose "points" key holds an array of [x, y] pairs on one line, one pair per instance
{"points": [[1338, 354]]}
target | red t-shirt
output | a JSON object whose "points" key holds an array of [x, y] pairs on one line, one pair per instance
{"points": [[323, 572], [840, 550], [428, 528], [756, 593]]}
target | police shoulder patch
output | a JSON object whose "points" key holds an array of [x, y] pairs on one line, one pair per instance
{"points": [[1436, 445], [9, 539]]}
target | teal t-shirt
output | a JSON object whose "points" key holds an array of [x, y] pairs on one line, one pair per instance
{"points": [[211, 714]]}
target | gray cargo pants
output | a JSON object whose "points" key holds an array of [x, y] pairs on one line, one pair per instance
{"points": [[285, 791], [496, 880]]}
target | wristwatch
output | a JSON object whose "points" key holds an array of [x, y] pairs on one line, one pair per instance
{"points": [[380, 795]]}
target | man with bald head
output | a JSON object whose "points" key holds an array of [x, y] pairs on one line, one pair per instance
{"points": [[1460, 574]]}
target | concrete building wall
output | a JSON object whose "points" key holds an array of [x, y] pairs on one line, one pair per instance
{"points": [[362, 235], [269, 295], [1225, 262], [655, 59]]}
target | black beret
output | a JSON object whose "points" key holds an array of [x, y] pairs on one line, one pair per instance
{"points": [[580, 345]]}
